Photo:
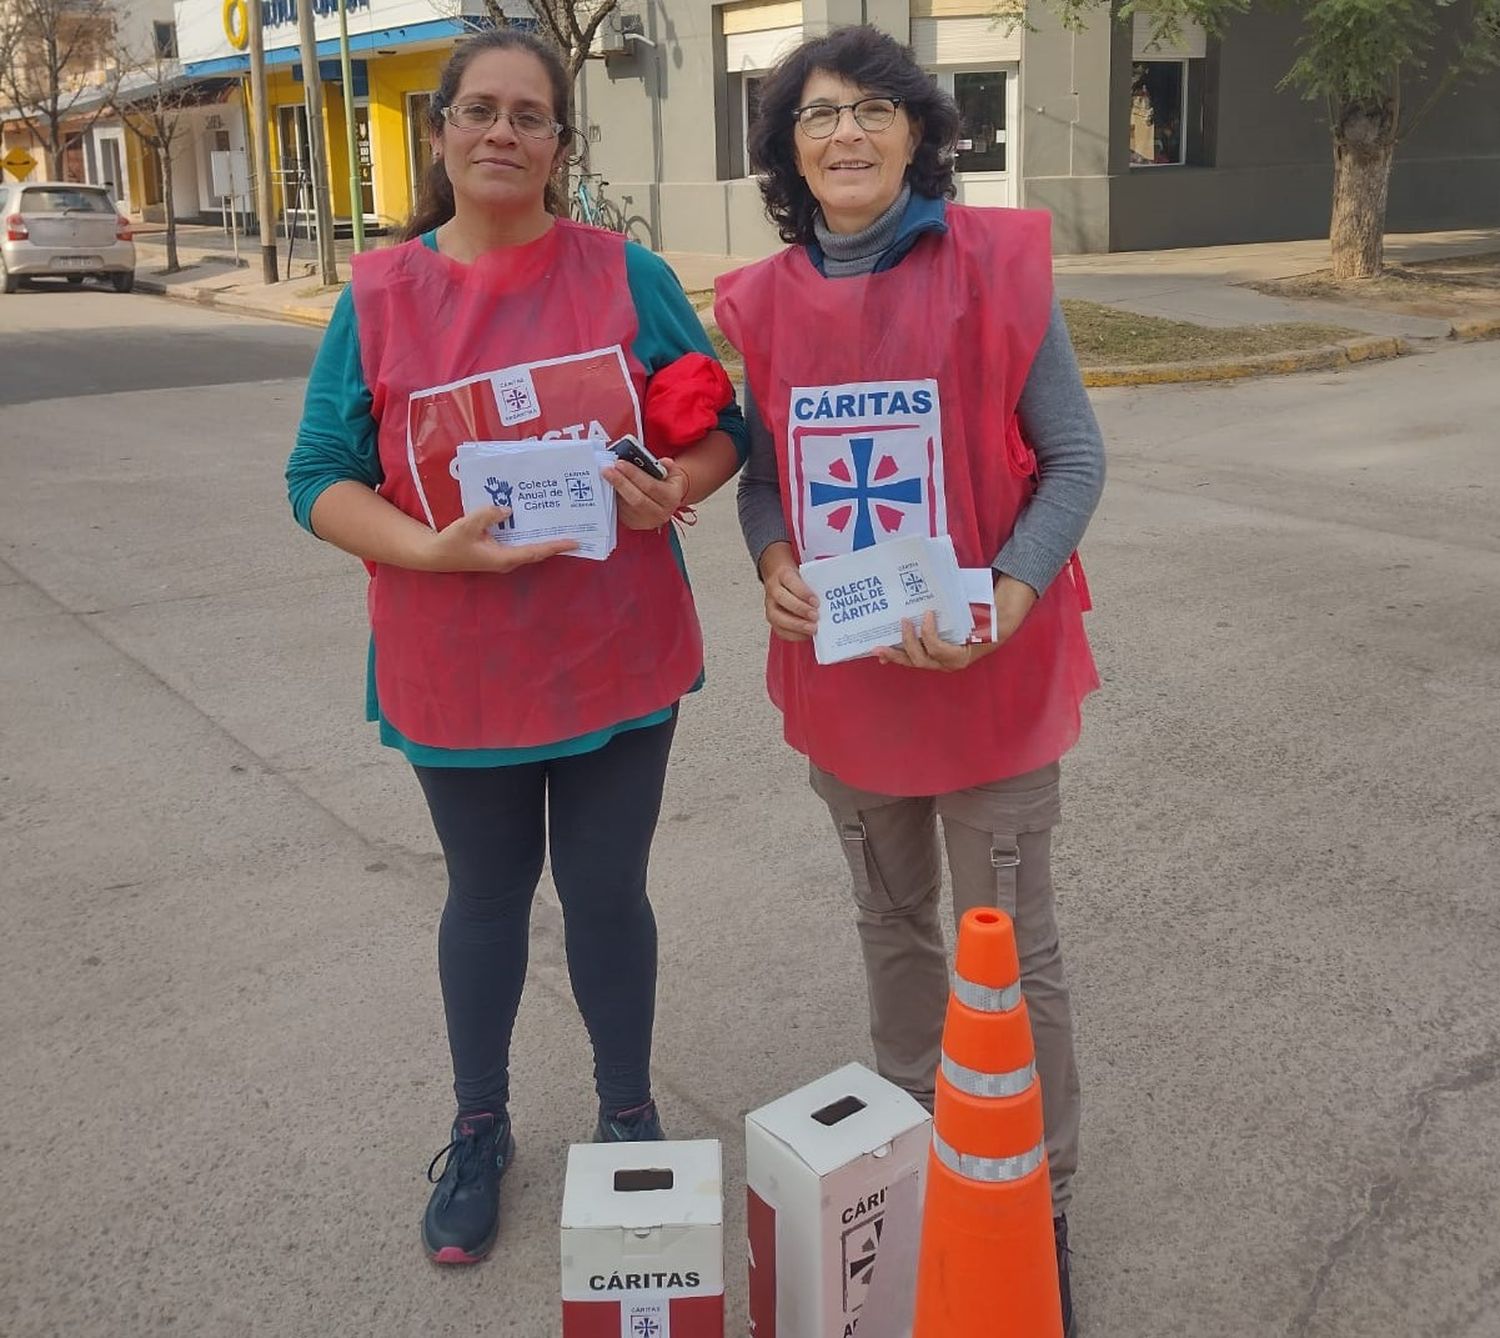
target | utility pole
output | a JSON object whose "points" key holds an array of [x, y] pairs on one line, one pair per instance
{"points": [[356, 186], [260, 144], [317, 151]]}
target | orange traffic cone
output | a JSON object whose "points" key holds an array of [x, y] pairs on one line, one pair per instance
{"points": [[988, 1264]]}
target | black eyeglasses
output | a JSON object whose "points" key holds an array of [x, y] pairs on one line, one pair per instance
{"points": [[820, 119], [481, 116]]}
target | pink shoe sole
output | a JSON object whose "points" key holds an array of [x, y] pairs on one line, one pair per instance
{"points": [[451, 1254]]}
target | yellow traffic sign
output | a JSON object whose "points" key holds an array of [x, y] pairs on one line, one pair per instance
{"points": [[18, 162]]}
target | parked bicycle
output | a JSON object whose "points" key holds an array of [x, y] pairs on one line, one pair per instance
{"points": [[588, 204]]}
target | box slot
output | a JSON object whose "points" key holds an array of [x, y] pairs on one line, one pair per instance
{"points": [[838, 1111], [637, 1181]]}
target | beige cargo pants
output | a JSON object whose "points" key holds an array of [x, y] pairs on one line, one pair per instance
{"points": [[999, 841]]}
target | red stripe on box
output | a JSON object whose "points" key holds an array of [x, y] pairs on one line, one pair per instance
{"points": [[692, 1317], [760, 1223]]}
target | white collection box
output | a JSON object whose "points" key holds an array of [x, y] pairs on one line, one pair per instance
{"points": [[643, 1241], [835, 1175]]}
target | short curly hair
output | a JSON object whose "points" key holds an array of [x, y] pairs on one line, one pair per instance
{"points": [[870, 59]]}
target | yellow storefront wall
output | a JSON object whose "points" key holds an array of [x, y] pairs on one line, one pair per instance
{"points": [[391, 79]]}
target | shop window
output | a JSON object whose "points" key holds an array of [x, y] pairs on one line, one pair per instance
{"points": [[1160, 113], [982, 136], [166, 40], [742, 110], [750, 90]]}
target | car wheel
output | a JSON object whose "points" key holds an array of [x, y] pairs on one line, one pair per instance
{"points": [[75, 280], [11, 283], [123, 282]]}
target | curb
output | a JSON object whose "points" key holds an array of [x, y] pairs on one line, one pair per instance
{"points": [[1472, 331], [317, 317], [1326, 358]]}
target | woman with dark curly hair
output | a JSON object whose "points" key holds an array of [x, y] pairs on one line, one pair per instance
{"points": [[909, 373]]}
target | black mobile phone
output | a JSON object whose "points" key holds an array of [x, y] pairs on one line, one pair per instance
{"points": [[628, 448]]}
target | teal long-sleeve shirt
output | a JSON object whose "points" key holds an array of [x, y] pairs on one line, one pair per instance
{"points": [[338, 439]]}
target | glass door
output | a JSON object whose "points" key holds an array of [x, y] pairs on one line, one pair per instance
{"points": [[296, 161], [366, 158], [985, 161]]}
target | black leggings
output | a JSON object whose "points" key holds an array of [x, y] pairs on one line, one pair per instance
{"points": [[600, 810]]}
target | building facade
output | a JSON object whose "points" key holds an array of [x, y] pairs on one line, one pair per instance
{"points": [[1130, 144], [397, 49], [123, 36]]}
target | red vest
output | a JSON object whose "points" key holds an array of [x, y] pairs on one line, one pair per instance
{"points": [[892, 400], [530, 341]]}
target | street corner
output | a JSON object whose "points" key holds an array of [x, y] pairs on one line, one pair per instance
{"points": [[267, 304]]}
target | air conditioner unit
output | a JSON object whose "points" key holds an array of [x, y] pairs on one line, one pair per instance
{"points": [[616, 32]]}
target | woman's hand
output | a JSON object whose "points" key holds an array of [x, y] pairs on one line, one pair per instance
{"points": [[466, 545], [647, 503], [927, 650], [791, 606]]}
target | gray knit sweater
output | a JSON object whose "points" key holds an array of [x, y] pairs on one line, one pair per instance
{"points": [[1055, 412]]}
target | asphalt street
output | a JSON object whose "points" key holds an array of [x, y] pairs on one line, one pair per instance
{"points": [[223, 1070]]}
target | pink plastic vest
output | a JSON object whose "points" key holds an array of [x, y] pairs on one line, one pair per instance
{"points": [[530, 341], [892, 400]]}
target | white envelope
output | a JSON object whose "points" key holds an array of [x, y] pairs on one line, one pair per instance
{"points": [[554, 490], [979, 589], [863, 596]]}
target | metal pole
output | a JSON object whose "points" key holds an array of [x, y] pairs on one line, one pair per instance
{"points": [[356, 188], [260, 144], [316, 148]]}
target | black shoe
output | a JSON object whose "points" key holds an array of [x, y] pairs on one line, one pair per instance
{"points": [[1060, 1236], [641, 1125], [463, 1214]]}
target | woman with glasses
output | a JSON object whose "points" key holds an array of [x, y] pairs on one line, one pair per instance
{"points": [[909, 373], [534, 694]]}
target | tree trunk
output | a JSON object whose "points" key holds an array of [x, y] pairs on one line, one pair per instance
{"points": [[171, 209], [1364, 146]]}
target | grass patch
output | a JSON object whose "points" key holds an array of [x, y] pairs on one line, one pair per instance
{"points": [[1108, 337], [701, 298], [1457, 286]]}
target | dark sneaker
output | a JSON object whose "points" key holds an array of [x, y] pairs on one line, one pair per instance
{"points": [[1064, 1285], [641, 1125], [463, 1214]]}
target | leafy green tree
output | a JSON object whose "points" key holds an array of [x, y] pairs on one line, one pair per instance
{"points": [[1379, 67]]}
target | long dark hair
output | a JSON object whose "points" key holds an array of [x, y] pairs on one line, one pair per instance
{"points": [[870, 59], [435, 202]]}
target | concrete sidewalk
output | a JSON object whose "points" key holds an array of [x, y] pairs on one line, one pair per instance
{"points": [[1202, 286], [212, 275]]}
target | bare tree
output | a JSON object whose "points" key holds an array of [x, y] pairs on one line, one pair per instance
{"points": [[570, 25], [149, 97], [55, 68]]}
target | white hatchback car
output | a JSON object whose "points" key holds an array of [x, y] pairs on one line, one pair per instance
{"points": [[64, 229]]}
